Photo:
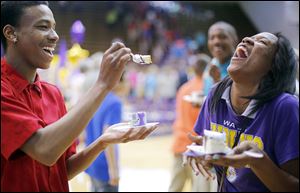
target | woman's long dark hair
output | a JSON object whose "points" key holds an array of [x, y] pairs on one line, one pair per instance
{"points": [[281, 77]]}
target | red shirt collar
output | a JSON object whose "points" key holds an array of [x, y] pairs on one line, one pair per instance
{"points": [[16, 79]]}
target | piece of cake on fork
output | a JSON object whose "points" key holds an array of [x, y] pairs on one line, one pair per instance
{"points": [[141, 59]]}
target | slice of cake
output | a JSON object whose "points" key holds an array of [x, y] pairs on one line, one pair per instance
{"points": [[214, 142], [141, 59], [138, 119]]}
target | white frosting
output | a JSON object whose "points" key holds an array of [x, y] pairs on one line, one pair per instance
{"points": [[214, 142]]}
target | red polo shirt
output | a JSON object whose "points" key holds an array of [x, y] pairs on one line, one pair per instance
{"points": [[25, 108]]}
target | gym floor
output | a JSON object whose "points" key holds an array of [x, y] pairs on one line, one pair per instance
{"points": [[145, 166]]}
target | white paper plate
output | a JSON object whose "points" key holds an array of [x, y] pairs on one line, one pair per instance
{"points": [[127, 126], [199, 151], [196, 148], [190, 99], [253, 154]]}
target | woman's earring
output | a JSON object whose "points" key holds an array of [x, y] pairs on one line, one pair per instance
{"points": [[15, 40]]}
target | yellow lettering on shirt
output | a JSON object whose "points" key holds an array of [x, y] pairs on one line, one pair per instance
{"points": [[220, 128], [213, 126], [230, 135], [258, 142], [226, 131]]}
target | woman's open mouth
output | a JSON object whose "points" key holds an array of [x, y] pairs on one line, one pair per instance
{"points": [[241, 53]]}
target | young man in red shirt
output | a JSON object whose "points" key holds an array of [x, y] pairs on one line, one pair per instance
{"points": [[37, 133]]}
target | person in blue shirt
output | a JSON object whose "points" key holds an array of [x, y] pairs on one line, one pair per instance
{"points": [[222, 40], [104, 171]]}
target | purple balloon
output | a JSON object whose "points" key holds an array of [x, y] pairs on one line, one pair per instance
{"points": [[77, 32]]}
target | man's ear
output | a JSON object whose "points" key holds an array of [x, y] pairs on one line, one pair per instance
{"points": [[9, 33]]}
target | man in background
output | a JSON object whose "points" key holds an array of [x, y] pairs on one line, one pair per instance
{"points": [[222, 41]]}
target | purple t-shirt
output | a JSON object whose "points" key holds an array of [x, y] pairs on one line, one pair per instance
{"points": [[274, 128]]}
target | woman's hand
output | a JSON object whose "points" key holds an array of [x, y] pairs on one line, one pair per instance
{"points": [[198, 164], [238, 158]]}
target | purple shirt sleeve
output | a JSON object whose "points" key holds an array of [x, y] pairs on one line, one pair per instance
{"points": [[286, 130]]}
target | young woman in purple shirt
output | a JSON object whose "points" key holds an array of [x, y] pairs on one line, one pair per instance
{"points": [[256, 97]]}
